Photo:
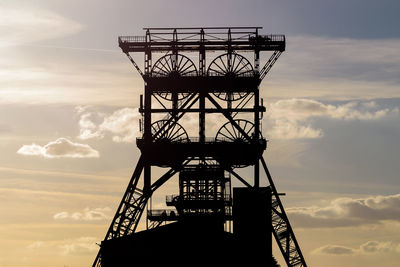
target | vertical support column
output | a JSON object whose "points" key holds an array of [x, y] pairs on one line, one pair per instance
{"points": [[174, 68], [202, 117], [257, 56], [174, 50], [147, 179], [257, 114], [147, 138], [229, 50], [257, 61], [202, 55], [202, 62], [175, 105], [147, 54], [256, 137], [230, 68], [174, 59], [147, 62], [147, 115]]}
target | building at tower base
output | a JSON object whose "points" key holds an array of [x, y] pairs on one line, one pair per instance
{"points": [[202, 241]]}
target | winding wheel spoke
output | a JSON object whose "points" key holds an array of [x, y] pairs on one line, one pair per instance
{"points": [[230, 64], [165, 130], [173, 65]]}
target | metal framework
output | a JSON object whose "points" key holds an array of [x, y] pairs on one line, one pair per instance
{"points": [[176, 86]]}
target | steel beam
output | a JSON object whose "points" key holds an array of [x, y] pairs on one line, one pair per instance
{"points": [[282, 229]]}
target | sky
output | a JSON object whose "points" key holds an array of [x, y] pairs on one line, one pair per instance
{"points": [[69, 121]]}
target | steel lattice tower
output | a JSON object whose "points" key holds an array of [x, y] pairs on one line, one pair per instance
{"points": [[176, 86]]}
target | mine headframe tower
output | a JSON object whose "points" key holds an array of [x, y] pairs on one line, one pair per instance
{"points": [[178, 87]]}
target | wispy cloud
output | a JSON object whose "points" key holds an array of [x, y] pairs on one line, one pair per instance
{"points": [[61, 148], [82, 245], [36, 245], [335, 250], [329, 73], [69, 175], [376, 247], [292, 118], [21, 25], [345, 212], [88, 214], [370, 247], [335, 69]]}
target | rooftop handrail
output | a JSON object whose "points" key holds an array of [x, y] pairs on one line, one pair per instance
{"points": [[196, 37], [212, 74], [270, 37], [200, 28], [198, 196], [207, 140], [202, 169], [162, 212], [132, 39]]}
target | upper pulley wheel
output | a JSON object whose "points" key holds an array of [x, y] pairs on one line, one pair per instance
{"points": [[173, 65], [230, 65]]}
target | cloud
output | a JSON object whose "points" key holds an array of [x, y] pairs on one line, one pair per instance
{"points": [[299, 109], [88, 129], [345, 212], [286, 129], [286, 119], [61, 215], [335, 250], [36, 245], [343, 69], [31, 150], [20, 25], [375, 247], [61, 148], [87, 214], [82, 245], [370, 247], [122, 125], [292, 118]]}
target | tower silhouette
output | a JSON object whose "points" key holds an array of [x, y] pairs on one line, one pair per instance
{"points": [[177, 90]]}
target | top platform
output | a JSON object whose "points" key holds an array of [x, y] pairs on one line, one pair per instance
{"points": [[202, 38]]}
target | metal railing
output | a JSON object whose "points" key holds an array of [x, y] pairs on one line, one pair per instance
{"points": [[268, 38], [212, 74], [162, 213], [132, 39], [196, 37], [207, 140], [198, 196]]}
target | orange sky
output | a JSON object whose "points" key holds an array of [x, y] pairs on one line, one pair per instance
{"points": [[68, 123]]}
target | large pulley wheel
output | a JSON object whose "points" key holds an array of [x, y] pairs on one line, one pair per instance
{"points": [[168, 131], [230, 65], [230, 96], [230, 133], [173, 65]]}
